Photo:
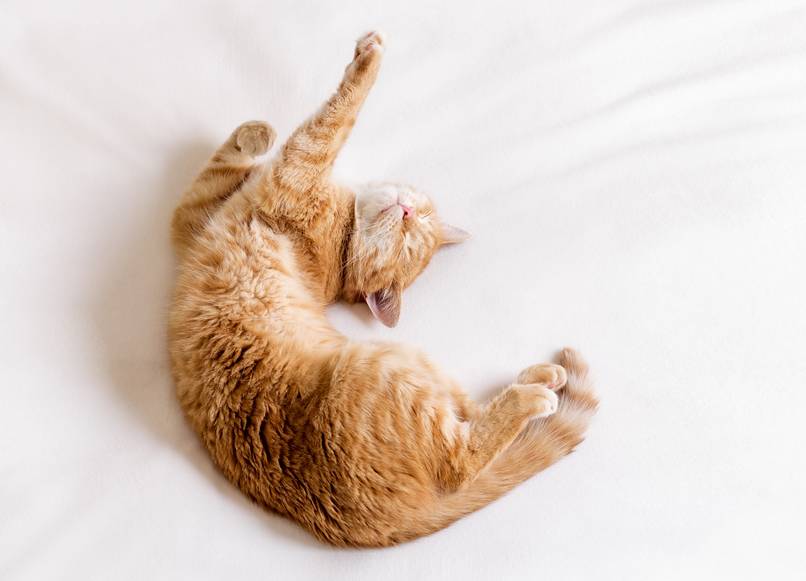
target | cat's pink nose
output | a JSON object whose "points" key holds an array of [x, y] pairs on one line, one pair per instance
{"points": [[407, 210]]}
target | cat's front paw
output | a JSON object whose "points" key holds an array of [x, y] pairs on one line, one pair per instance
{"points": [[254, 138], [371, 41], [367, 57]]}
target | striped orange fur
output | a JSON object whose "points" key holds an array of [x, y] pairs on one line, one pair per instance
{"points": [[364, 444]]}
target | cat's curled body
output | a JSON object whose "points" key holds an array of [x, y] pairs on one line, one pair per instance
{"points": [[362, 443]]}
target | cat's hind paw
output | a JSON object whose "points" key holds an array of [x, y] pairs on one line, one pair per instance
{"points": [[547, 400], [548, 374]]}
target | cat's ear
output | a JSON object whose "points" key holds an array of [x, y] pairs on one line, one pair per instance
{"points": [[452, 235], [385, 305]]}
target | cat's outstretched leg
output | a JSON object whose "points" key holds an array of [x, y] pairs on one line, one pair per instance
{"points": [[538, 445], [304, 164], [499, 423], [226, 171]]}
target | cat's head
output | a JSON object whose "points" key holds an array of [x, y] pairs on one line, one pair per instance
{"points": [[396, 233]]}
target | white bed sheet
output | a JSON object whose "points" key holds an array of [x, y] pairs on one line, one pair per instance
{"points": [[634, 176]]}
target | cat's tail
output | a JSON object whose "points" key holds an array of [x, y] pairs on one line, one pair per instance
{"points": [[543, 442]]}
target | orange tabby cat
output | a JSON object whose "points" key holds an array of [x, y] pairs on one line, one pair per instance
{"points": [[362, 443]]}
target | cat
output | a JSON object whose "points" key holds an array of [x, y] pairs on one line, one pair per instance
{"points": [[363, 444]]}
